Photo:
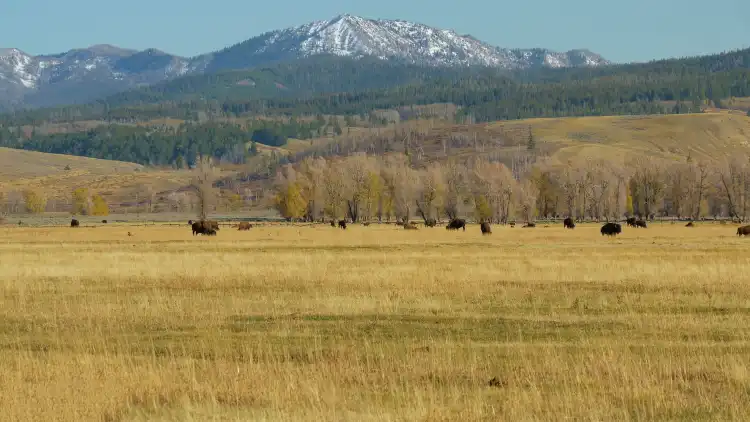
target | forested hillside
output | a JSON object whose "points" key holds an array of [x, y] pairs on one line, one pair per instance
{"points": [[290, 100]]}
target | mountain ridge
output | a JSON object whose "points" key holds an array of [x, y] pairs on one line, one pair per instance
{"points": [[84, 74]]}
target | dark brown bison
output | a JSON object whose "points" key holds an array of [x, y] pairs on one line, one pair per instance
{"points": [[74, 223], [203, 227], [485, 227], [743, 231], [568, 223], [690, 224], [630, 221], [611, 229], [104, 221], [529, 225], [342, 224], [430, 222], [456, 223], [640, 223], [333, 223], [244, 226]]}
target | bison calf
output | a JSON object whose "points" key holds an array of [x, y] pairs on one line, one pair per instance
{"points": [[410, 226], [342, 224]]}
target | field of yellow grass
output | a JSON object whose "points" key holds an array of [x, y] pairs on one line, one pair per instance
{"points": [[374, 323]]}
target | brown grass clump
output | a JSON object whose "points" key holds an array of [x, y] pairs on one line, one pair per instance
{"points": [[372, 323]]}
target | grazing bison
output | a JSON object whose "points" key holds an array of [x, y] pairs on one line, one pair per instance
{"points": [[743, 231], [456, 223], [74, 223], [529, 225], [690, 224], [630, 221], [244, 226], [485, 227], [342, 224], [611, 229], [104, 221], [203, 227], [568, 223], [430, 222], [640, 223]]}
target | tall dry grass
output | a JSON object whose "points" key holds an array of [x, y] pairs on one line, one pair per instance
{"points": [[374, 324]]}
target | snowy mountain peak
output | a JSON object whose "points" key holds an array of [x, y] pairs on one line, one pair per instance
{"points": [[81, 75], [349, 35]]}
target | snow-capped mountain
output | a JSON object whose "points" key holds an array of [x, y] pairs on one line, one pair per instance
{"points": [[348, 35], [85, 74]]}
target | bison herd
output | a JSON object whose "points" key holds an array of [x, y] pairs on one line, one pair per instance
{"points": [[210, 227]]}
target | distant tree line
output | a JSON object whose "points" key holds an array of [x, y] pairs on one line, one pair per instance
{"points": [[363, 188], [173, 146]]}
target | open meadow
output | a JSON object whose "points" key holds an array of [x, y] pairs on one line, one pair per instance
{"points": [[300, 322]]}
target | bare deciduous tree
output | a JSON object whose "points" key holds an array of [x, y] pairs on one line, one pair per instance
{"points": [[204, 175]]}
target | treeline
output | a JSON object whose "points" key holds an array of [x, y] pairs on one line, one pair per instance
{"points": [[363, 188], [166, 145], [324, 85]]}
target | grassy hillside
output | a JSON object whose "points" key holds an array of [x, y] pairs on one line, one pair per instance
{"points": [[57, 175], [710, 135], [707, 135]]}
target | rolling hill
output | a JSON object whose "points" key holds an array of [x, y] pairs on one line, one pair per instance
{"points": [[669, 138]]}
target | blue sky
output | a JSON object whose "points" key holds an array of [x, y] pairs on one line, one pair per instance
{"points": [[635, 30]]}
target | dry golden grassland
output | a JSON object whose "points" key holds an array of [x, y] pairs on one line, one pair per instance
{"points": [[374, 324]]}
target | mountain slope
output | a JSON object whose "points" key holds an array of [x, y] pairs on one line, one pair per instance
{"points": [[82, 75], [348, 35]]}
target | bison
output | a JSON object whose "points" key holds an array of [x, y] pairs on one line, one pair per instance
{"points": [[568, 223], [611, 229], [689, 224], [630, 221], [456, 223], [529, 225], [203, 227], [333, 223], [342, 224], [74, 223], [485, 227], [104, 221], [244, 226], [640, 223], [743, 231]]}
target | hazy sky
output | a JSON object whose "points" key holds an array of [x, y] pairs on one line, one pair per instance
{"points": [[634, 30]]}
